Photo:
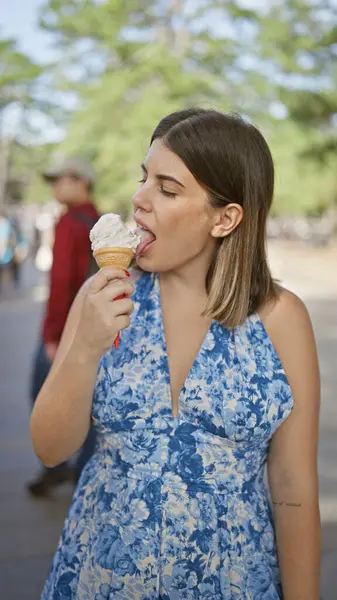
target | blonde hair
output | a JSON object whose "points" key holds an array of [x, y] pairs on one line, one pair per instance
{"points": [[238, 288]]}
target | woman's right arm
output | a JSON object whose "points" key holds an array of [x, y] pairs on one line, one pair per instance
{"points": [[60, 419]]}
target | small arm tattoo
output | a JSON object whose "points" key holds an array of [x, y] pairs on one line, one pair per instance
{"points": [[291, 504]]}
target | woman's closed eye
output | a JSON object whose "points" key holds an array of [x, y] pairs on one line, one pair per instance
{"points": [[167, 193], [162, 190]]}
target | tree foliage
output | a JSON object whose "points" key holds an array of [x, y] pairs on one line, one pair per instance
{"points": [[299, 42], [130, 63], [137, 61], [17, 75]]}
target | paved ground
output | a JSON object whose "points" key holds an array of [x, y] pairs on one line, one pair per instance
{"points": [[30, 529]]}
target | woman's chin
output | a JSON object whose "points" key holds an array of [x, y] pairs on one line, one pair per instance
{"points": [[145, 263], [153, 261], [151, 264]]}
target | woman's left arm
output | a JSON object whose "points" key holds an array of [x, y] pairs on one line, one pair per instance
{"points": [[292, 459]]}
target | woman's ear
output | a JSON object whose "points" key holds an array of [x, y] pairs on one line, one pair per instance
{"points": [[226, 220]]}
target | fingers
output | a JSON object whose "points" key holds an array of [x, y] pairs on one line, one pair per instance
{"points": [[123, 307], [104, 277], [118, 288], [123, 322]]}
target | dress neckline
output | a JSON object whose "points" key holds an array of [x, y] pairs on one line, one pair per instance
{"points": [[195, 362]]}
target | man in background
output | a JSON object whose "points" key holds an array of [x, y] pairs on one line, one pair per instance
{"points": [[72, 182]]}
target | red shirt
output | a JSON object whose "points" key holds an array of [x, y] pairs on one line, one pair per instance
{"points": [[71, 256]]}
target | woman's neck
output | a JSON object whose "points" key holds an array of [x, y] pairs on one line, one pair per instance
{"points": [[188, 280]]}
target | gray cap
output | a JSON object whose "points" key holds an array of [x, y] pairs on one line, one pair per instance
{"points": [[75, 164]]}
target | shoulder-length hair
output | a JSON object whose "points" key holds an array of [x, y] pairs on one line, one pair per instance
{"points": [[231, 160]]}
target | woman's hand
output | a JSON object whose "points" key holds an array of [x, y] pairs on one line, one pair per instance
{"points": [[102, 316]]}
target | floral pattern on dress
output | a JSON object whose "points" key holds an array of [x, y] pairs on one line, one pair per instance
{"points": [[177, 508]]}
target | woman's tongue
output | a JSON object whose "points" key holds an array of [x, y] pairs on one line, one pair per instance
{"points": [[146, 239]]}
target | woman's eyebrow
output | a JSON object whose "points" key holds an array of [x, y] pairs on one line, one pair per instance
{"points": [[169, 178], [162, 177]]}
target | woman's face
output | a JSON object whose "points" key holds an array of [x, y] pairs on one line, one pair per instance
{"points": [[175, 208]]}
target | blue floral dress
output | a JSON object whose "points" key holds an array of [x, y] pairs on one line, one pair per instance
{"points": [[172, 509]]}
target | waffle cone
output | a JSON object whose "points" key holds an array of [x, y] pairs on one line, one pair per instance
{"points": [[120, 258]]}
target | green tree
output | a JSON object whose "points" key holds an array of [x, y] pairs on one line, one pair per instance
{"points": [[132, 62], [298, 49], [17, 76], [299, 44], [21, 158]]}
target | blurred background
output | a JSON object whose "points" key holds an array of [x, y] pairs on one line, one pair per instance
{"points": [[93, 78]]}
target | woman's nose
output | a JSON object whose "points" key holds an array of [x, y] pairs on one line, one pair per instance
{"points": [[141, 199]]}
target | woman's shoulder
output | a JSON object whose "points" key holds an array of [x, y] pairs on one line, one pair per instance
{"points": [[288, 325], [285, 316]]}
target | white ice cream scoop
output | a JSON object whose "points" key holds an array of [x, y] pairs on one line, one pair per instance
{"points": [[110, 232]]}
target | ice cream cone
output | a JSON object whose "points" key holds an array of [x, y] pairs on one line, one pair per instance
{"points": [[114, 257]]}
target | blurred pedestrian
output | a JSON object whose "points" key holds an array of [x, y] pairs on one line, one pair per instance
{"points": [[44, 228], [72, 182], [20, 251], [7, 247]]}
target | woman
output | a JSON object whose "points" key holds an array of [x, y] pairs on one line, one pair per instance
{"points": [[216, 375]]}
